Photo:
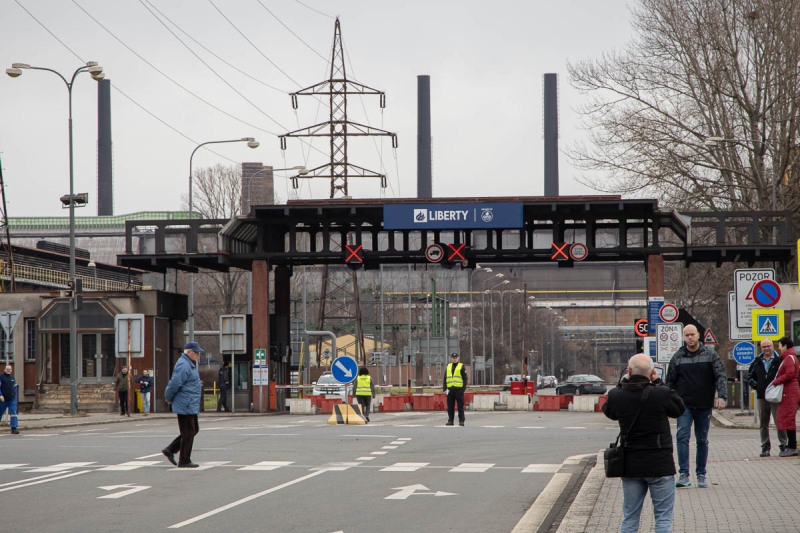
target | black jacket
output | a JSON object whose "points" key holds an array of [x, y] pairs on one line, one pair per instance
{"points": [[648, 446], [224, 378], [696, 376], [8, 386], [760, 378]]}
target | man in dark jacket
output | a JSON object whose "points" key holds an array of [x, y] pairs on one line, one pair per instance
{"points": [[455, 383], [224, 384], [8, 396], [761, 373], [647, 442], [695, 373]]}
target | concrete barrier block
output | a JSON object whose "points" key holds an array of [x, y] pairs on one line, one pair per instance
{"points": [[519, 402], [484, 402], [583, 404], [300, 406]]}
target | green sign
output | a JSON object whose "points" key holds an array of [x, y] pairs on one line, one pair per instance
{"points": [[261, 355]]}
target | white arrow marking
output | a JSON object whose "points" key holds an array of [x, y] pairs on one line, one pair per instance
{"points": [[411, 490], [347, 372], [131, 490]]}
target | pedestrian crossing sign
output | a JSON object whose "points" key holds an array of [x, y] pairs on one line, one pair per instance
{"points": [[767, 324]]}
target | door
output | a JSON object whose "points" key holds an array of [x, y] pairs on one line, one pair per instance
{"points": [[97, 357]]}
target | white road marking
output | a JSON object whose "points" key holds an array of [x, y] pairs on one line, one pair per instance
{"points": [[472, 467], [269, 434], [575, 427], [493, 427], [388, 447], [405, 438], [404, 467], [398, 442], [131, 490], [532, 427], [365, 459], [378, 453], [541, 469], [372, 436], [267, 465], [336, 467], [204, 465], [46, 480], [410, 425], [533, 519], [30, 479], [60, 467], [151, 455], [9, 466], [244, 500], [130, 465], [411, 490]]}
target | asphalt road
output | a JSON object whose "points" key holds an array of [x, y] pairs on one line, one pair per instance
{"points": [[403, 472]]}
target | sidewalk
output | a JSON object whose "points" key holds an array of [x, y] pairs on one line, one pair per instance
{"points": [[747, 493]]}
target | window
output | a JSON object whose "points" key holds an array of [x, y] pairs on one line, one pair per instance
{"points": [[30, 339]]}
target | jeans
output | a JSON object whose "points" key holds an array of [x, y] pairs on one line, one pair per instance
{"points": [[765, 409], [702, 421], [662, 493], [145, 402]]}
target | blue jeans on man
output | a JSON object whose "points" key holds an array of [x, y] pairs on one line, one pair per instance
{"points": [[702, 421], [11, 405], [662, 493]]}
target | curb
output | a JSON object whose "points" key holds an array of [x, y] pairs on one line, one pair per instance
{"points": [[577, 518]]}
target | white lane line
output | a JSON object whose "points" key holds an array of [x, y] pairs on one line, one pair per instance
{"points": [[405, 438], [30, 479], [203, 466], [404, 467], [398, 442], [9, 466], [575, 427], [533, 519], [541, 469], [493, 427], [337, 467], [388, 447], [244, 500], [365, 459], [378, 453], [130, 465], [267, 465], [532, 427], [151, 455], [472, 467], [46, 480], [60, 467], [372, 436], [269, 434]]}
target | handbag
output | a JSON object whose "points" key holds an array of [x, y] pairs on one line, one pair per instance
{"points": [[774, 393], [614, 455]]}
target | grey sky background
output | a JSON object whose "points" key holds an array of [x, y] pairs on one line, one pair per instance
{"points": [[485, 59]]}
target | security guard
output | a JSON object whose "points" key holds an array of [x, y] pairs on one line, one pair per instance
{"points": [[365, 390], [455, 382]]}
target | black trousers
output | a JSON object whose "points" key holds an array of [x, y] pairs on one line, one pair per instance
{"points": [[222, 402], [453, 397], [123, 402], [189, 427], [364, 402]]}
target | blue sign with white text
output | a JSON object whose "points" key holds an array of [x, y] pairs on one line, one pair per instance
{"points": [[744, 353], [653, 316], [498, 215]]}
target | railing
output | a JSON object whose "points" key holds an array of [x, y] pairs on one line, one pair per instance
{"points": [[58, 279]]}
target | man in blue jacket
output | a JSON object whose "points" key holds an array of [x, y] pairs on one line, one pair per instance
{"points": [[8, 396], [184, 391]]}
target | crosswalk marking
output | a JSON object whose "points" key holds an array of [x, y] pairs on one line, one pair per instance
{"points": [[60, 467], [205, 465], [365, 459], [389, 448], [378, 453], [398, 442], [336, 466], [404, 467], [10, 466], [541, 469], [405, 438], [472, 467], [130, 465], [267, 465]]}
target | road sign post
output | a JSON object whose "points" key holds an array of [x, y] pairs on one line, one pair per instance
{"points": [[669, 338]]}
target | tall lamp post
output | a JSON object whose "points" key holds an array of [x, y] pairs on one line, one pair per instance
{"points": [[471, 349], [252, 143], [491, 318], [70, 201], [483, 318]]}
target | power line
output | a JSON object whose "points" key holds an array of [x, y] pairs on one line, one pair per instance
{"points": [[290, 31], [314, 10]]}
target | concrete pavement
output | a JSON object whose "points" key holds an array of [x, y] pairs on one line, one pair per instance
{"points": [[747, 494]]}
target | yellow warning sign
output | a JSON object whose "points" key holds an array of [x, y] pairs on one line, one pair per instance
{"points": [[347, 414], [767, 324]]}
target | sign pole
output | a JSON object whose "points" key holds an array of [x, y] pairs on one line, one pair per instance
{"points": [[129, 368]]}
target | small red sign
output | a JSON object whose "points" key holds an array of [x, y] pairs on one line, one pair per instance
{"points": [[559, 253], [355, 254], [709, 337], [668, 313], [456, 252], [578, 251], [640, 327]]}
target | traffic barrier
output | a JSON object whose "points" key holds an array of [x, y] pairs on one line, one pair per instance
{"points": [[326, 405], [422, 402], [439, 401], [484, 402], [549, 403], [300, 406], [347, 414], [519, 402], [583, 404], [517, 387], [565, 400], [536, 406], [600, 402]]}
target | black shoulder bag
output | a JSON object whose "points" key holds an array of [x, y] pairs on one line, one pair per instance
{"points": [[614, 455]]}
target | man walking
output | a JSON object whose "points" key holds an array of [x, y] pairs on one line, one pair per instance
{"points": [[184, 392], [695, 373], [224, 382], [365, 390], [8, 397], [121, 386], [642, 406], [455, 383], [760, 374]]}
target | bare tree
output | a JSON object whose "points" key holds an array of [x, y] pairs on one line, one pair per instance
{"points": [[697, 69]]}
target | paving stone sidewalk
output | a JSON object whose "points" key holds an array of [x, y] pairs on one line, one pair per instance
{"points": [[748, 494]]}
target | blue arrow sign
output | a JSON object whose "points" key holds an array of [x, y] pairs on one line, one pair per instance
{"points": [[744, 353], [344, 369]]}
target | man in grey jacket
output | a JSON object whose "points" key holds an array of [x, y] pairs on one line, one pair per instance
{"points": [[184, 392]]}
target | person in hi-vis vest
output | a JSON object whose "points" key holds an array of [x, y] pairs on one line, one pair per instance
{"points": [[455, 383], [365, 390]]}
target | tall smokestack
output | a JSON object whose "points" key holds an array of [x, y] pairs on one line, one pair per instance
{"points": [[105, 184], [551, 134], [424, 169]]}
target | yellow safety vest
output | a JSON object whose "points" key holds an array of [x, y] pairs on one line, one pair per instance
{"points": [[363, 387], [453, 375]]}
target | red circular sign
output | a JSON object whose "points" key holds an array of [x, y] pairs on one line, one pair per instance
{"points": [[766, 293], [640, 327], [578, 251], [668, 313], [434, 253]]}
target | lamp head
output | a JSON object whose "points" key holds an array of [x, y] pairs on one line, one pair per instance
{"points": [[20, 65], [14, 72], [506, 282], [253, 143], [712, 141]]}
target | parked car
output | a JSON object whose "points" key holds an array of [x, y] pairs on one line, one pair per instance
{"points": [[327, 384], [512, 377], [545, 382], [582, 384]]}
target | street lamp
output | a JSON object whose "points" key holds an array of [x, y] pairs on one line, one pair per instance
{"points": [[301, 171], [471, 349], [252, 143], [96, 71], [491, 318], [483, 318]]}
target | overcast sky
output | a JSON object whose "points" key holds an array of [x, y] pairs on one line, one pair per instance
{"points": [[485, 59]]}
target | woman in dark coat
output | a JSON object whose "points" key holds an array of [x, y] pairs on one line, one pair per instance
{"points": [[787, 408]]}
